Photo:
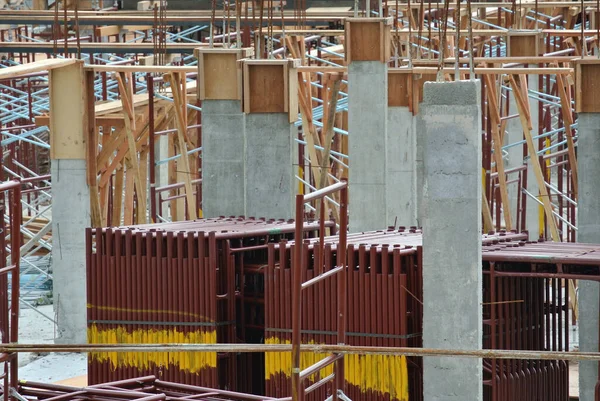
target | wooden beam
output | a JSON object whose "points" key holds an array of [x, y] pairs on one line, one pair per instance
{"points": [[116, 106], [488, 225], [36, 66], [92, 150], [567, 114], [162, 69], [108, 30], [112, 121]]}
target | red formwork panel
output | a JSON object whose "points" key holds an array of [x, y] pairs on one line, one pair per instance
{"points": [[384, 294], [526, 307], [173, 283]]}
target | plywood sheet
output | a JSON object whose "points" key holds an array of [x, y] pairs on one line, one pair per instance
{"points": [[588, 88], [523, 46], [398, 89], [266, 85], [68, 114], [220, 76], [365, 41]]}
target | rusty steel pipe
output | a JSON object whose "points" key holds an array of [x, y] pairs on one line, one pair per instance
{"points": [[321, 277], [321, 193], [319, 365]]}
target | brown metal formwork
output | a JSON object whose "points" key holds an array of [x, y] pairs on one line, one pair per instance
{"points": [[384, 287], [384, 309], [527, 292], [175, 283]]}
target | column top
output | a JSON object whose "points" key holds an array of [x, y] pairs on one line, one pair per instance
{"points": [[459, 93]]}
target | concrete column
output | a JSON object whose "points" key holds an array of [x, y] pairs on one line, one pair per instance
{"points": [[588, 224], [514, 133], [223, 158], [70, 218], [533, 208], [367, 144], [271, 106], [271, 158], [450, 123], [419, 165], [70, 200], [161, 151], [223, 132], [401, 188]]}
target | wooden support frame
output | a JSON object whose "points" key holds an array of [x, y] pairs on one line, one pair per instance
{"points": [[219, 74], [568, 121], [368, 39], [132, 175], [271, 86], [177, 82], [92, 151], [36, 66]]}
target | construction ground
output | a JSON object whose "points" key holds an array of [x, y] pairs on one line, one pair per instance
{"points": [[301, 200]]}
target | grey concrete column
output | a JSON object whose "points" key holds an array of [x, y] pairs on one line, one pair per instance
{"points": [[588, 224], [401, 183], [70, 218], [450, 123], [223, 143], [514, 133], [271, 160], [367, 144], [161, 152], [419, 165]]}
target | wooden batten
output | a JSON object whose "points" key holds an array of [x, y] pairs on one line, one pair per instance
{"points": [[219, 76], [523, 44], [398, 88], [271, 86], [368, 39], [587, 85]]}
